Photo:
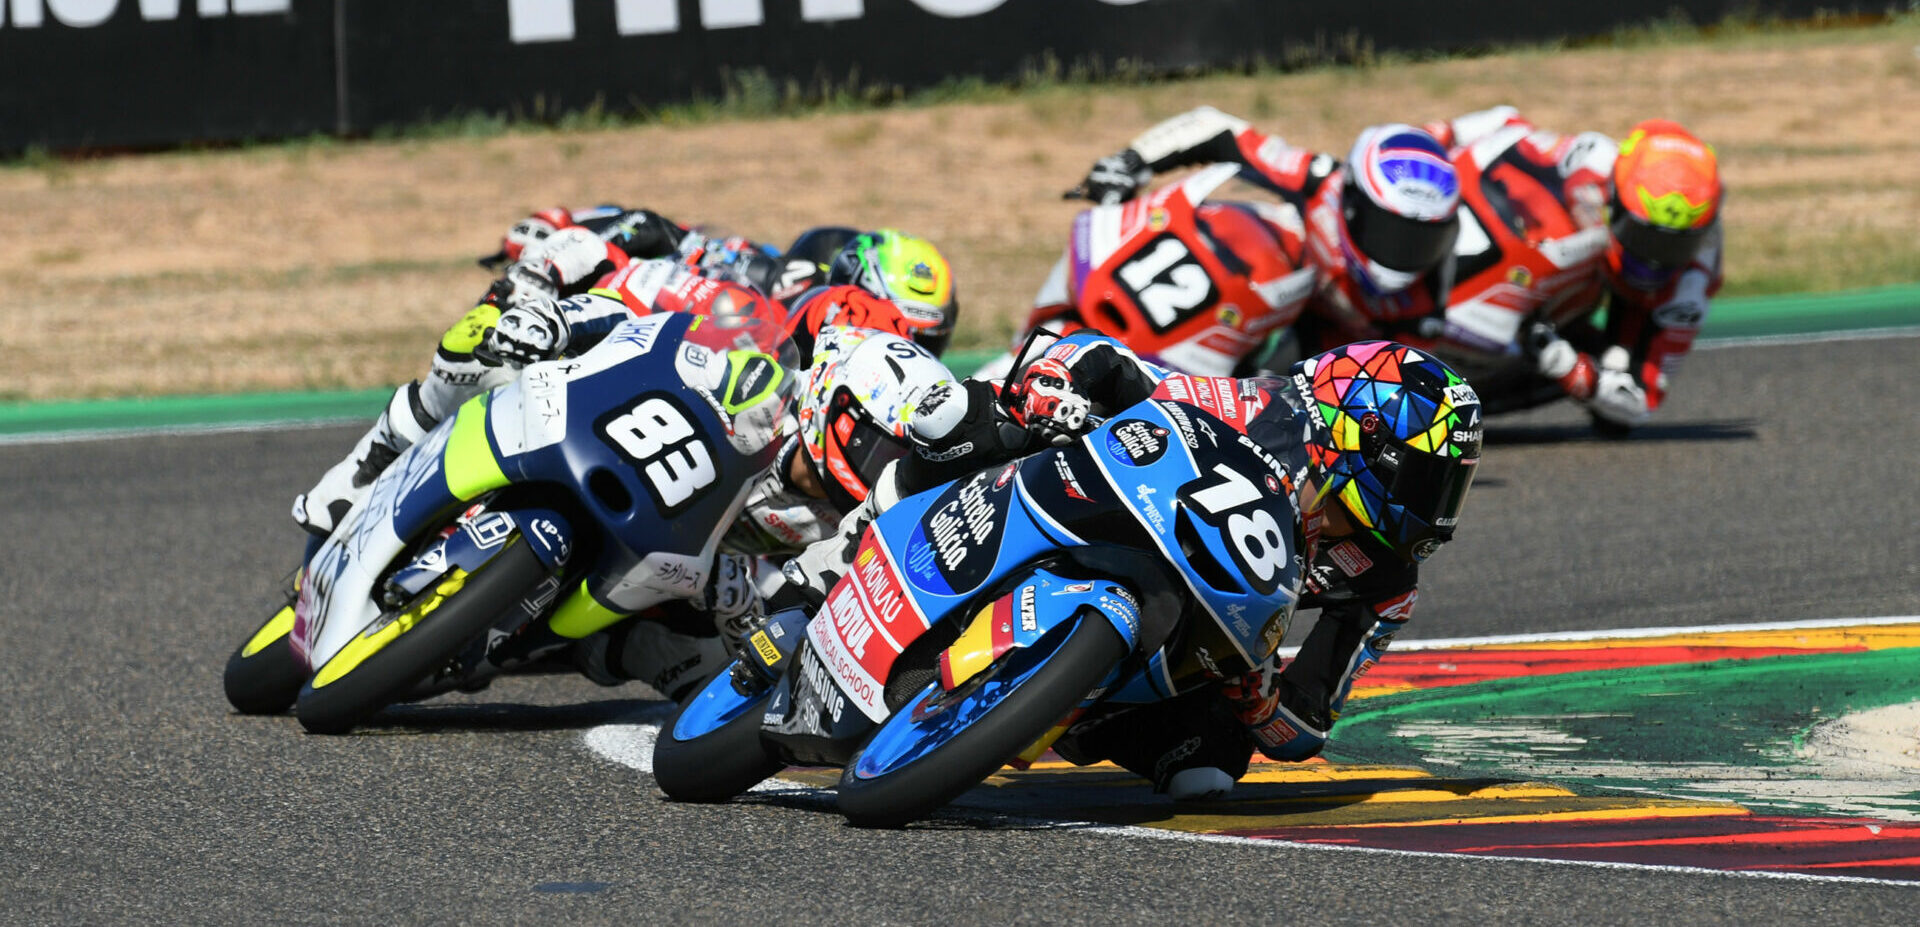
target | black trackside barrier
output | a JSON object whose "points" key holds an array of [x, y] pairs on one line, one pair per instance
{"points": [[106, 73], [112, 73]]}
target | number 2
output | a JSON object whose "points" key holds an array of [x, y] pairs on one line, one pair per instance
{"points": [[1187, 287]]}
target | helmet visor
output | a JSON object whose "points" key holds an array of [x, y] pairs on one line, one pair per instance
{"points": [[1395, 241], [1433, 488], [1662, 248], [857, 449]]}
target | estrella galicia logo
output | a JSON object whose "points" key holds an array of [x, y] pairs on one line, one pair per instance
{"points": [[1136, 442], [958, 539], [921, 566]]}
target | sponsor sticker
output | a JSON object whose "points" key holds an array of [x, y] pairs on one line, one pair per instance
{"points": [[1136, 442], [1348, 556]]}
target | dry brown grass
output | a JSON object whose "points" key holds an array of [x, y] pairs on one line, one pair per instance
{"points": [[332, 266]]}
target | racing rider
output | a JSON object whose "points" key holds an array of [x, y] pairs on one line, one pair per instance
{"points": [[1395, 438], [1658, 195], [1379, 228]]}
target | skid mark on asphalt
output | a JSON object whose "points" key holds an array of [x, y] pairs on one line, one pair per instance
{"points": [[1516, 748]]}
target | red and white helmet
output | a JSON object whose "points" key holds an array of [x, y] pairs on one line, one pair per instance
{"points": [[528, 231], [855, 404], [1399, 207]]}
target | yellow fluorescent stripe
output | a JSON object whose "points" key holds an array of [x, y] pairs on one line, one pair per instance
{"points": [[580, 615], [973, 652], [469, 463], [277, 627], [366, 645]]}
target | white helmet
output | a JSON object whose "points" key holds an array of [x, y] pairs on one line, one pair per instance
{"points": [[855, 405]]}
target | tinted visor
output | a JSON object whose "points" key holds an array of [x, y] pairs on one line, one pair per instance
{"points": [[866, 448], [1395, 241], [1433, 488], [1665, 249]]}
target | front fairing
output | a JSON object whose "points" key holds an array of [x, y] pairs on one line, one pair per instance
{"points": [[631, 430], [1164, 477], [638, 433]]}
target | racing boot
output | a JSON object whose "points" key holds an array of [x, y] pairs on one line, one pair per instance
{"points": [[1190, 747], [320, 509], [643, 649]]}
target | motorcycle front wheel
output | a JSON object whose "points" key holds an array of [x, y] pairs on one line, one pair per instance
{"points": [[263, 677], [911, 767], [711, 749], [354, 684]]}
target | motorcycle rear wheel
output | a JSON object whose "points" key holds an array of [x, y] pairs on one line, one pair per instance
{"points": [[263, 677], [711, 749], [908, 769], [390, 673]]}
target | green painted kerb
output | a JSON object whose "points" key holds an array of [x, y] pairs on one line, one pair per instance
{"points": [[107, 415], [1731, 319], [1708, 730]]}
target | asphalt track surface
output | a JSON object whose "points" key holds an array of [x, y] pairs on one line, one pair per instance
{"points": [[1779, 484]]}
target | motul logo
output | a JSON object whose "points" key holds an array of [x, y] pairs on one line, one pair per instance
{"points": [[85, 14], [552, 20]]}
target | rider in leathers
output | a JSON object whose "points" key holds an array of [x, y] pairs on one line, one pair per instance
{"points": [[1658, 194], [1379, 228], [518, 324], [1198, 744]]}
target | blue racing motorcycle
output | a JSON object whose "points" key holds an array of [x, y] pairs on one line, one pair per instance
{"points": [[1160, 551], [589, 488]]}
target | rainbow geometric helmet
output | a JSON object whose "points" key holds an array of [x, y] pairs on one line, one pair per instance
{"points": [[1400, 444]]}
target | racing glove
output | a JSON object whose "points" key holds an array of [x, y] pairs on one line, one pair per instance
{"points": [[532, 330], [1561, 362], [732, 598], [1051, 402], [1115, 178], [1617, 397], [562, 261], [1283, 725]]}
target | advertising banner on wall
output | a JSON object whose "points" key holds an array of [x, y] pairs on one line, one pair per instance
{"points": [[105, 73]]}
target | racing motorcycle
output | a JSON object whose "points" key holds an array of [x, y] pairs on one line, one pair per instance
{"points": [[1520, 260], [543, 511], [1161, 550], [1197, 285]]}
